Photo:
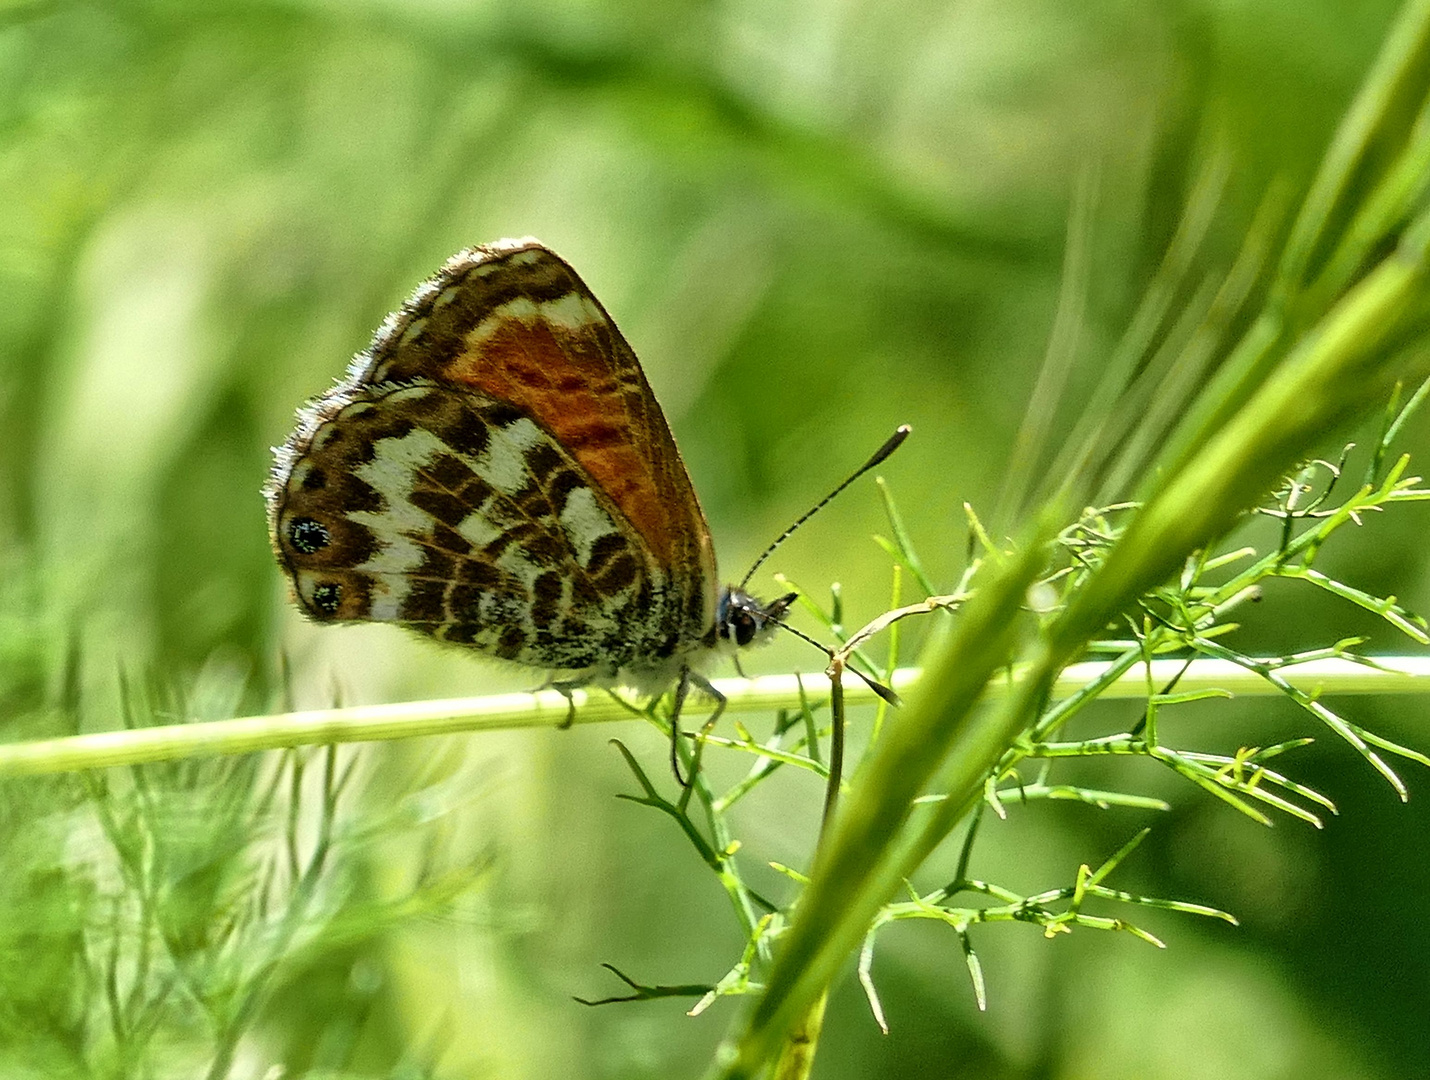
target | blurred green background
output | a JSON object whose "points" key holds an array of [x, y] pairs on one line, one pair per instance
{"points": [[814, 220]]}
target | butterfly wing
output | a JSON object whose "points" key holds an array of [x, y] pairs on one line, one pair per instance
{"points": [[495, 471]]}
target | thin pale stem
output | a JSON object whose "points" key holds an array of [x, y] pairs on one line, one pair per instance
{"points": [[547, 708]]}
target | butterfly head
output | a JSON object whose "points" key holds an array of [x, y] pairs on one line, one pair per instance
{"points": [[742, 619]]}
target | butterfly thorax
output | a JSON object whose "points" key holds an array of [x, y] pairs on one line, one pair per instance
{"points": [[741, 621]]}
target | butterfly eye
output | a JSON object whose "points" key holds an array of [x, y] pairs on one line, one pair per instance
{"points": [[744, 624], [327, 597], [308, 536]]}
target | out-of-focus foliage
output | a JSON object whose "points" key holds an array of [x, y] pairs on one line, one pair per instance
{"points": [[813, 221]]}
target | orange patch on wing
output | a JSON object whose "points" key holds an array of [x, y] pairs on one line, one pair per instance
{"points": [[563, 379]]}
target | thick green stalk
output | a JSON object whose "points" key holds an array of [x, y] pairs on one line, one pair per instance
{"points": [[1321, 357], [847, 888]]}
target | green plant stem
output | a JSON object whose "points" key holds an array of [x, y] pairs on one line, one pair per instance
{"points": [[547, 708], [796, 1059]]}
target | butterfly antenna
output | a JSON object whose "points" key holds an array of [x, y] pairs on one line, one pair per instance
{"points": [[879, 688], [893, 443]]}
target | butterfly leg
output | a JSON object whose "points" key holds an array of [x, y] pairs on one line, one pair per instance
{"points": [[565, 689], [688, 679], [681, 689]]}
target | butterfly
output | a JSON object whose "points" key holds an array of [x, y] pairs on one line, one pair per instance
{"points": [[495, 472]]}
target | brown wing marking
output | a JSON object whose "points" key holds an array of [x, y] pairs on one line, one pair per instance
{"points": [[392, 510], [515, 321]]}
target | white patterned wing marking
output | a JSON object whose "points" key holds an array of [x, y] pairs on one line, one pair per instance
{"points": [[585, 522], [503, 463], [571, 313]]}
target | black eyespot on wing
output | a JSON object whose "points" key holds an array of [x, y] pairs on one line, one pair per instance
{"points": [[327, 597], [308, 536]]}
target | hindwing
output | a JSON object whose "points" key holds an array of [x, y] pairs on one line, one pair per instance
{"points": [[460, 516]]}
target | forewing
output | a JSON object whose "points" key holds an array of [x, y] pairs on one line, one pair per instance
{"points": [[514, 321]]}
